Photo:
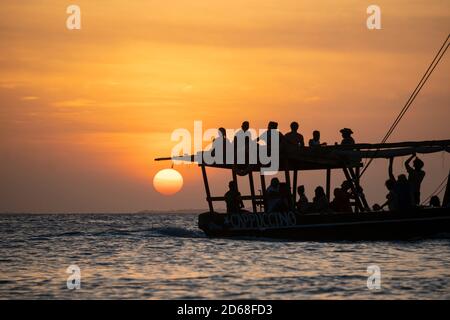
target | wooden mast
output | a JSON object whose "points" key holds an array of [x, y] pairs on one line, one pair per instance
{"points": [[263, 188], [208, 192], [294, 187], [252, 190], [328, 185]]}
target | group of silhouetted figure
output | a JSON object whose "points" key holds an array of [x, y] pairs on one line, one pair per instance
{"points": [[292, 137], [278, 199], [404, 193]]}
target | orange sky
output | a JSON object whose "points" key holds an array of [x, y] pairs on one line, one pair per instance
{"points": [[83, 113]]}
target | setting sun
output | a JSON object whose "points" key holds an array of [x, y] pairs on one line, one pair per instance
{"points": [[168, 182]]}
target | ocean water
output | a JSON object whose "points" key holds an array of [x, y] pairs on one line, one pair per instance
{"points": [[165, 256]]}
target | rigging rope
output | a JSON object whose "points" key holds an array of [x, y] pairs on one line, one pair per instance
{"points": [[436, 192], [413, 96]]}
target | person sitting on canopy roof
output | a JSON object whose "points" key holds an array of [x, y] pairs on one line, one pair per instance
{"points": [[415, 177], [233, 199], [221, 144], [241, 152], [293, 137], [347, 136], [315, 141], [272, 128]]}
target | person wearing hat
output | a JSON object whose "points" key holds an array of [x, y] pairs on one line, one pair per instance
{"points": [[415, 177], [347, 136]]}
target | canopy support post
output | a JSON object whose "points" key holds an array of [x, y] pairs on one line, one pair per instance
{"points": [[358, 204], [233, 171], [328, 185], [361, 195], [252, 190], [288, 182], [294, 186], [208, 193], [263, 188]]}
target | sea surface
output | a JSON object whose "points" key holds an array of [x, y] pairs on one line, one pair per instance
{"points": [[165, 256]]}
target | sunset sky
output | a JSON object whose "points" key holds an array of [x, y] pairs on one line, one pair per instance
{"points": [[83, 113]]}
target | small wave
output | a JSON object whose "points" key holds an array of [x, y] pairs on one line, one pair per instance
{"points": [[43, 237], [178, 232]]}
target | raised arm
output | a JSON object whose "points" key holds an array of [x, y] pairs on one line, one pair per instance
{"points": [[408, 161]]}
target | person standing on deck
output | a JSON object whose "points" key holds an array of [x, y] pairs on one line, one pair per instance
{"points": [[401, 188], [233, 199], [415, 177], [293, 137], [347, 136]]}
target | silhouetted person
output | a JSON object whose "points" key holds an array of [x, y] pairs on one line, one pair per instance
{"points": [[272, 128], [240, 133], [233, 199], [376, 207], [341, 201], [245, 126], [302, 203], [402, 188], [293, 137], [391, 197], [221, 142], [415, 177], [285, 204], [320, 201], [347, 136], [435, 202], [273, 195], [315, 141]]}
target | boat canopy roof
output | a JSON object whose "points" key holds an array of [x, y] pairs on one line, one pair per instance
{"points": [[331, 157]]}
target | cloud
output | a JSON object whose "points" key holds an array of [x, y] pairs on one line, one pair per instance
{"points": [[74, 103], [29, 98]]}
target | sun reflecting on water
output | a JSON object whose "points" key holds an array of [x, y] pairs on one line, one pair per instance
{"points": [[168, 182]]}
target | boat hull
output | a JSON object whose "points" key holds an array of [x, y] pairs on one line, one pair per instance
{"points": [[400, 225]]}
